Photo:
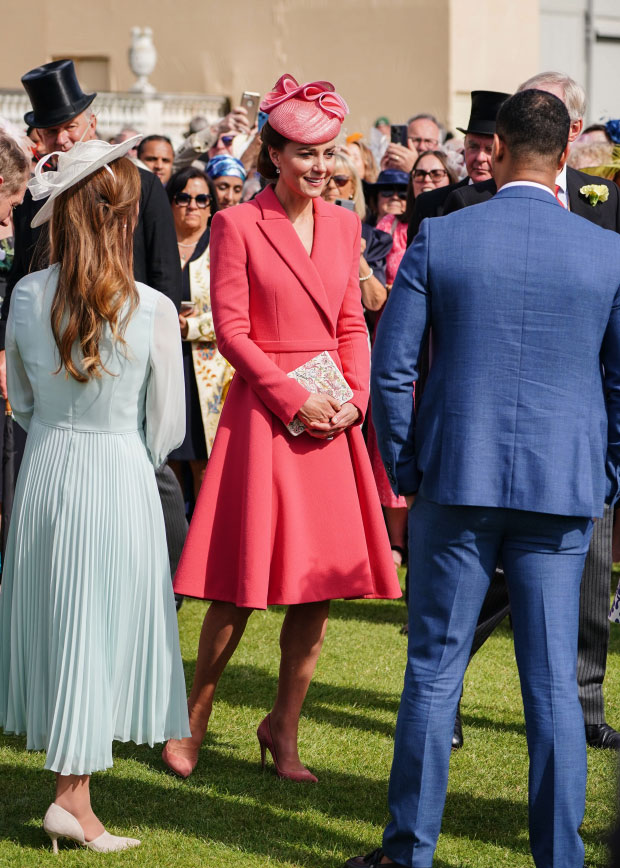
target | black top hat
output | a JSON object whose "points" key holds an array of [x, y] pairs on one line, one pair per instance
{"points": [[55, 94], [485, 105]]}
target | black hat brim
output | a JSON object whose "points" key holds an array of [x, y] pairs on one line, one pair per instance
{"points": [[480, 129], [61, 115]]}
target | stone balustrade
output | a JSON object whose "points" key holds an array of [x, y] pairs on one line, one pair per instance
{"points": [[166, 114]]}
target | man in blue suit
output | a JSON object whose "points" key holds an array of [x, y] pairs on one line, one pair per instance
{"points": [[505, 463]]}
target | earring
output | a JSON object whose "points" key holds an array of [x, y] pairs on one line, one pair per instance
{"points": [[277, 171]]}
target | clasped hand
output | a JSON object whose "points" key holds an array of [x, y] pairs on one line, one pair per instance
{"points": [[324, 417]]}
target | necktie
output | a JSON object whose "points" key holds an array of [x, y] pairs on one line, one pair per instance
{"points": [[557, 190]]}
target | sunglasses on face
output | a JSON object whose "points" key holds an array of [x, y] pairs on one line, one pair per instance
{"points": [[433, 174], [183, 200], [340, 180], [387, 194]]}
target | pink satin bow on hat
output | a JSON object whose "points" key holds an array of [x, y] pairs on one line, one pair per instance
{"points": [[322, 92]]}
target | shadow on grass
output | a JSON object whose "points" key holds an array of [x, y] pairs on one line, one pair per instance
{"points": [[248, 686], [373, 611], [478, 721], [232, 802], [253, 687]]}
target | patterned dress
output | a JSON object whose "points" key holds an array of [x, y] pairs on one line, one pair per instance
{"points": [[207, 373]]}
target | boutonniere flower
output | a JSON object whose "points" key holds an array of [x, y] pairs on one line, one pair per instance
{"points": [[595, 193]]}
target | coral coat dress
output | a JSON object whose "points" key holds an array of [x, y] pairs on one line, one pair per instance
{"points": [[283, 519]]}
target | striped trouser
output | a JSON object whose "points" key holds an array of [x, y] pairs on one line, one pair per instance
{"points": [[593, 621], [173, 507]]}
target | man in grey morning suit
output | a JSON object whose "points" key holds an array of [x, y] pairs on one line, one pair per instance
{"points": [[525, 314]]}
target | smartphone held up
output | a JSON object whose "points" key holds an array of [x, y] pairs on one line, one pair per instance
{"points": [[250, 101]]}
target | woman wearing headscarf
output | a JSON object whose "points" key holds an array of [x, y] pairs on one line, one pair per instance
{"points": [[227, 176], [284, 519]]}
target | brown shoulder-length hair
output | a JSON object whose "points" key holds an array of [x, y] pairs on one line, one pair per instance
{"points": [[264, 164], [91, 238]]}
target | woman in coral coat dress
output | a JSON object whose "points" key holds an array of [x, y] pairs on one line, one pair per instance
{"points": [[282, 519]]}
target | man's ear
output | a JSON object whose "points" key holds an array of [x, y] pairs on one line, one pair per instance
{"points": [[564, 157], [575, 130], [499, 149]]}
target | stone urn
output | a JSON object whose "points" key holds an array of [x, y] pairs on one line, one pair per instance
{"points": [[142, 58]]}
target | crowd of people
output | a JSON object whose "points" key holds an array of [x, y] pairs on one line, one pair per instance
{"points": [[186, 338]]}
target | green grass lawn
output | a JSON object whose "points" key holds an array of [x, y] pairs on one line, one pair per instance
{"points": [[230, 813]]}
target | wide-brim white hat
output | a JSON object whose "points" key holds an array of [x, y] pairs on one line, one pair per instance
{"points": [[82, 160]]}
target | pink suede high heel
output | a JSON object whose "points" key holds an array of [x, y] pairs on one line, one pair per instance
{"points": [[265, 740], [180, 764]]}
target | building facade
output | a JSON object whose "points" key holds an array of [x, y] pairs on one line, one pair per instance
{"points": [[582, 37], [387, 57]]}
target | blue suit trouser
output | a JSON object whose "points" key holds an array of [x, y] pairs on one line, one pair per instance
{"points": [[454, 550]]}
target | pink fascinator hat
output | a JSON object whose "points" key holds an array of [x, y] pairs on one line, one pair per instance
{"points": [[310, 113]]}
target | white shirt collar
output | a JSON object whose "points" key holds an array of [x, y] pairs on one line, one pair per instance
{"points": [[560, 180], [528, 184]]}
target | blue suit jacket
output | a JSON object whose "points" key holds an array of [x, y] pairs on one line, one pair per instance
{"points": [[523, 299]]}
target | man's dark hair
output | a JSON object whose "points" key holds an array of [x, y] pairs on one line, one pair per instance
{"points": [[534, 123], [153, 139]]}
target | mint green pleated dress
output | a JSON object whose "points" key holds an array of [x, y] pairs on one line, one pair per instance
{"points": [[89, 645]]}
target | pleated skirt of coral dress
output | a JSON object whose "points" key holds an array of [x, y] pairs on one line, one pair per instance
{"points": [[89, 647], [282, 520]]}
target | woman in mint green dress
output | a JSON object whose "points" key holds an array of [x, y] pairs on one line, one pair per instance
{"points": [[89, 646]]}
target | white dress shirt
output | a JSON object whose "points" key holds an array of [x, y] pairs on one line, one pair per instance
{"points": [[562, 194], [528, 184]]}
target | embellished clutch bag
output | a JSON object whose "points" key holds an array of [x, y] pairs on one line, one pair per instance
{"points": [[320, 375]]}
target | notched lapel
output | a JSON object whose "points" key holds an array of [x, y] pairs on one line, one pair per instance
{"points": [[280, 233], [579, 204]]}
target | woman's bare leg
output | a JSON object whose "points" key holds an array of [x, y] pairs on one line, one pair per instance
{"points": [[73, 794], [301, 640], [221, 632]]}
